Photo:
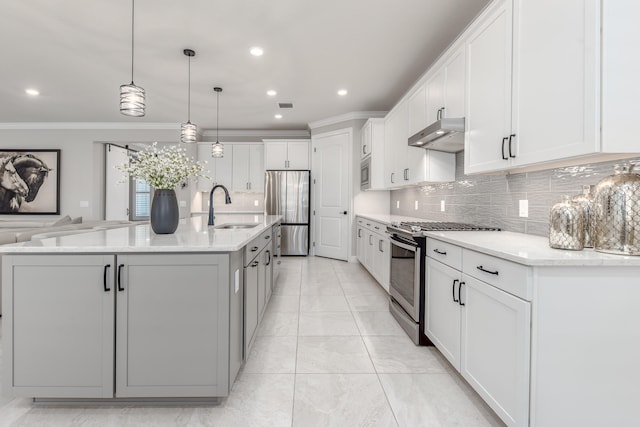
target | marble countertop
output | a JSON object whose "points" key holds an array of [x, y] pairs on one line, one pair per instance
{"points": [[193, 235], [387, 219]]}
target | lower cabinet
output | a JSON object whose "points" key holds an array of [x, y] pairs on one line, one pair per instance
{"points": [[484, 332], [164, 318], [373, 250]]}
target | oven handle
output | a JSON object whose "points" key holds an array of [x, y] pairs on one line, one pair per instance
{"points": [[403, 244]]}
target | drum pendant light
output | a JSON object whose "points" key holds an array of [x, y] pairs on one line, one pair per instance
{"points": [[188, 131], [131, 96], [217, 149]]}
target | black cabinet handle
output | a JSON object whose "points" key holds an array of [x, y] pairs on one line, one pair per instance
{"points": [[502, 150], [104, 278], [255, 263], [359, 232], [438, 251], [269, 261], [510, 138], [460, 293], [120, 288], [377, 228], [267, 237], [392, 173], [253, 249], [364, 149], [481, 268], [453, 290]]}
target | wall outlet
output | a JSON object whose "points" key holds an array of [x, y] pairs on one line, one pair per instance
{"points": [[256, 203], [183, 203], [441, 205], [84, 204], [415, 205], [397, 204], [524, 208]]}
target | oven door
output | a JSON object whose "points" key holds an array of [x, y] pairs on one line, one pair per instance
{"points": [[405, 275]]}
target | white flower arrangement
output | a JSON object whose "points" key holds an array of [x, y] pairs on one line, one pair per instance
{"points": [[163, 169]]}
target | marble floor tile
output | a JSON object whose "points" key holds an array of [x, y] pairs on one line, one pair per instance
{"points": [[399, 355], [364, 287], [323, 303], [284, 303], [287, 288], [340, 400], [272, 355], [328, 323], [278, 323], [328, 288], [377, 323], [375, 302], [333, 355], [255, 400], [434, 400]]}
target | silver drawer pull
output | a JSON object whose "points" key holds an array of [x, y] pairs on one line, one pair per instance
{"points": [[487, 271], [438, 251]]}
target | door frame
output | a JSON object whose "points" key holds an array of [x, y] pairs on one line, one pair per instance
{"points": [[314, 168]]}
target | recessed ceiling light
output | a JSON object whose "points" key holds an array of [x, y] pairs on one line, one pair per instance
{"points": [[272, 93], [256, 51], [342, 92], [32, 92], [278, 116]]}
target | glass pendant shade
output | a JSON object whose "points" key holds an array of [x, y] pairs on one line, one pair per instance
{"points": [[132, 99], [217, 150], [188, 132]]}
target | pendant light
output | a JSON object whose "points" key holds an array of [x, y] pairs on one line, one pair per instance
{"points": [[132, 96], [188, 131], [217, 149]]}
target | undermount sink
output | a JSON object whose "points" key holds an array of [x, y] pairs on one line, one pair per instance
{"points": [[234, 226]]}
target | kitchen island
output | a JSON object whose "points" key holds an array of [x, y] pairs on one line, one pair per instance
{"points": [[126, 314]]}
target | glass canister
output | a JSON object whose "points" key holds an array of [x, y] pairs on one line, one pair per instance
{"points": [[617, 212], [567, 224], [585, 200]]}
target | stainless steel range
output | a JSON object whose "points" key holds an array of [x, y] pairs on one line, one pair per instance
{"points": [[407, 284]]}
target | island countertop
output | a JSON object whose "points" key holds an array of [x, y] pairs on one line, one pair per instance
{"points": [[192, 235]]}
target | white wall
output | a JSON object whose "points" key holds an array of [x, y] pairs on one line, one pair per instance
{"points": [[81, 163]]}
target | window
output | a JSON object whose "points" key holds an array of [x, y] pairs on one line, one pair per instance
{"points": [[140, 199]]}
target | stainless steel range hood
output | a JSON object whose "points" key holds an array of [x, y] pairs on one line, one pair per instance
{"points": [[443, 135]]}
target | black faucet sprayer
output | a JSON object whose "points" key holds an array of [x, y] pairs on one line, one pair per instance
{"points": [[227, 200]]}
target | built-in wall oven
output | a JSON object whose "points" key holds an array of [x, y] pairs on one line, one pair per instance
{"points": [[365, 173]]}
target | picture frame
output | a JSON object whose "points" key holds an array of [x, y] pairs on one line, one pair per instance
{"points": [[29, 182]]}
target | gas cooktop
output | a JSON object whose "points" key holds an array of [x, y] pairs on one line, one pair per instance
{"points": [[418, 227]]}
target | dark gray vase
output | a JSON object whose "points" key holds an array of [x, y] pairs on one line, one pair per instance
{"points": [[164, 212]]}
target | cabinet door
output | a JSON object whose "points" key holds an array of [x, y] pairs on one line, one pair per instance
{"points": [[275, 155], [365, 139], [369, 250], [488, 114], [298, 155], [360, 245], [60, 313], [240, 169], [418, 117], [435, 95], [224, 167], [382, 261], [268, 262], [172, 325], [390, 165], [262, 283], [496, 332], [250, 304], [204, 155], [442, 311], [256, 168], [454, 85], [556, 70]]}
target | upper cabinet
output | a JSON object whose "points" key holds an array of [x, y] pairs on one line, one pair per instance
{"points": [[534, 91], [372, 137], [287, 154], [218, 170], [248, 167]]}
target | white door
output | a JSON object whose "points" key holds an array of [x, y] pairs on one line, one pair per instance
{"points": [[117, 192], [332, 172]]}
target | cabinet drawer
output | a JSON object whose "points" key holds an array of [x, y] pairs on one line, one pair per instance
{"points": [[446, 253], [254, 247], [513, 278]]}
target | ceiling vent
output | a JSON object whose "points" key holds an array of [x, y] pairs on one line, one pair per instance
{"points": [[285, 105]]}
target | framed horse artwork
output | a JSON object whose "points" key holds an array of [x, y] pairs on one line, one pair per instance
{"points": [[29, 182]]}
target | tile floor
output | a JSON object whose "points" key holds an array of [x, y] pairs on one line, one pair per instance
{"points": [[328, 353]]}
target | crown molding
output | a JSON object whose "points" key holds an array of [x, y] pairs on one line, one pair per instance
{"points": [[88, 126], [267, 133], [354, 115]]}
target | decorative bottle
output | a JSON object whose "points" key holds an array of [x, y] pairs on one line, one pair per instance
{"points": [[567, 222]]}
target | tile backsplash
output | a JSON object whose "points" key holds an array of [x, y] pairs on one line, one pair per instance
{"points": [[494, 200], [240, 202]]}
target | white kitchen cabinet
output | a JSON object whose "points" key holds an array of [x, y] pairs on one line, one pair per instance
{"points": [[434, 98], [219, 170], [484, 331], [418, 117], [372, 143], [287, 154], [365, 140], [373, 250], [248, 167], [382, 260], [392, 151], [533, 91], [360, 244]]}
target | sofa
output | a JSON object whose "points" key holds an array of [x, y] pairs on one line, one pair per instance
{"points": [[23, 231]]}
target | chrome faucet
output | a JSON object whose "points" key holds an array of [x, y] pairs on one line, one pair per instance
{"points": [[227, 200]]}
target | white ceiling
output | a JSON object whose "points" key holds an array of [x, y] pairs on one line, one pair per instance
{"points": [[77, 53]]}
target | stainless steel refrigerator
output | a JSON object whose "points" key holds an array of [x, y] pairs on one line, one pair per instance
{"points": [[286, 193]]}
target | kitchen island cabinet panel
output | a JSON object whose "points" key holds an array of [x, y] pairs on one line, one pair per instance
{"points": [[52, 353], [172, 329]]}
